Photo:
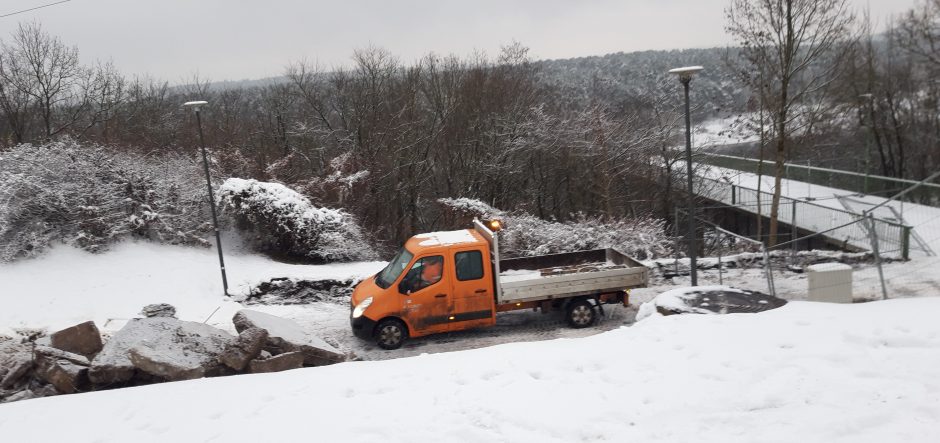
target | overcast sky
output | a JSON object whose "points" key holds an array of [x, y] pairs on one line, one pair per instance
{"points": [[239, 39]]}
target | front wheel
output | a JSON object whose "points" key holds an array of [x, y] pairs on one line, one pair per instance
{"points": [[390, 333], [581, 314]]}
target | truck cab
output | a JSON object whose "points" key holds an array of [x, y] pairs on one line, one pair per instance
{"points": [[437, 282]]}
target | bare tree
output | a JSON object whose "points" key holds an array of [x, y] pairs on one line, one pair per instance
{"points": [[794, 43], [42, 69]]}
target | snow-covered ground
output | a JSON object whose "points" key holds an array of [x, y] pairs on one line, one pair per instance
{"points": [[68, 286], [731, 130], [805, 372]]}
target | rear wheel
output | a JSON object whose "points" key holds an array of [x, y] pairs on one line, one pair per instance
{"points": [[581, 314], [390, 333]]}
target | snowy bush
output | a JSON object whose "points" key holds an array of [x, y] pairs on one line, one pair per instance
{"points": [[281, 221], [89, 196], [526, 235]]}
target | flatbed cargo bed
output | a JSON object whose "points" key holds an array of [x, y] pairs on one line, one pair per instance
{"points": [[566, 275]]}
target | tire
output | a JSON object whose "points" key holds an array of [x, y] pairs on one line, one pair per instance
{"points": [[580, 314], [390, 333]]}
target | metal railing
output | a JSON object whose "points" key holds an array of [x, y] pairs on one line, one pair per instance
{"points": [[843, 227], [928, 193]]}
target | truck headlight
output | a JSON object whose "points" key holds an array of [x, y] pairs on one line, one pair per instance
{"points": [[361, 307]]}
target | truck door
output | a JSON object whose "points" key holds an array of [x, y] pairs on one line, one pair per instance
{"points": [[426, 295], [473, 291]]}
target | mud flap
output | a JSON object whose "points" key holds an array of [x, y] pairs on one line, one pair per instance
{"points": [[599, 305]]}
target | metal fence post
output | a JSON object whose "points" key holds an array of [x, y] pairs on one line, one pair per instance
{"points": [[874, 249], [905, 242], [793, 233], [768, 272], [721, 281]]}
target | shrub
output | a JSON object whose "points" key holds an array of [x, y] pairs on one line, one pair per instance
{"points": [[90, 196], [281, 221], [524, 234]]}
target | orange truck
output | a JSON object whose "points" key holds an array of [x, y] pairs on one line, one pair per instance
{"points": [[455, 280]]}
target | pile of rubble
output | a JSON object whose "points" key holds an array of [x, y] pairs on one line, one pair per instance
{"points": [[290, 291], [154, 349]]}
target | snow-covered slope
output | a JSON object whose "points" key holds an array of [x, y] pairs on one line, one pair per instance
{"points": [[806, 372], [68, 286]]}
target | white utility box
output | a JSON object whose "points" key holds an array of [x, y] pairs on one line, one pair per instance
{"points": [[830, 282]]}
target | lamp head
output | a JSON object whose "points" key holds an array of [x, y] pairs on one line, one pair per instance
{"points": [[195, 105], [685, 74]]}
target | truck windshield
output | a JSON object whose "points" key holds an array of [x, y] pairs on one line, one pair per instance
{"points": [[387, 276]]}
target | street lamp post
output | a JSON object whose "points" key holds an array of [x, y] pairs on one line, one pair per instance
{"points": [[196, 105], [685, 76]]}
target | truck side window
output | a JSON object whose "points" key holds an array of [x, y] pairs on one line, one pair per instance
{"points": [[425, 272], [469, 265]]}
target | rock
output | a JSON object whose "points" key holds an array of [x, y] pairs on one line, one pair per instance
{"points": [[265, 355], [278, 363], [15, 371], [159, 310], [66, 376], [287, 336], [16, 360], [67, 371], [246, 347], [83, 338], [157, 341], [26, 394], [166, 364], [47, 353]]}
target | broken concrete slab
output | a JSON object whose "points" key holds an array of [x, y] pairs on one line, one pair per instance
{"points": [[278, 363], [287, 336], [28, 393], [67, 377], [246, 347], [167, 364], [159, 310], [83, 338], [16, 360], [189, 341], [49, 353], [15, 370]]}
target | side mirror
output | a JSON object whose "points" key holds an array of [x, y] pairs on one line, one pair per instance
{"points": [[403, 287]]}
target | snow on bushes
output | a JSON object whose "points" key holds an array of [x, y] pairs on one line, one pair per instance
{"points": [[284, 222], [90, 196], [524, 234]]}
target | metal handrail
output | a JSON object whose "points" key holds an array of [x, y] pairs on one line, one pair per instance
{"points": [[829, 170]]}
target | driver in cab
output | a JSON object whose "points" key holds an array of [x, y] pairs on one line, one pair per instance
{"points": [[430, 272]]}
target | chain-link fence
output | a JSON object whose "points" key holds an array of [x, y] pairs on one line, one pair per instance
{"points": [[928, 194], [889, 259], [840, 227]]}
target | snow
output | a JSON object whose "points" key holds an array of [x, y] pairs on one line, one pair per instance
{"points": [[446, 238], [276, 195], [807, 372], [723, 131], [828, 267], [519, 275], [67, 286], [677, 300]]}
